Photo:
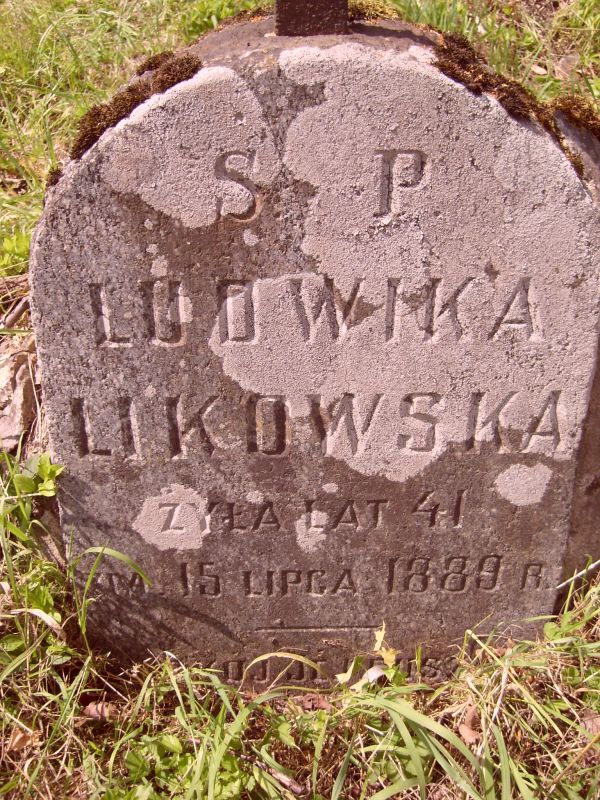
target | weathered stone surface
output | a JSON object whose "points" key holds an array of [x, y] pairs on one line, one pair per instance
{"points": [[318, 331], [310, 17]]}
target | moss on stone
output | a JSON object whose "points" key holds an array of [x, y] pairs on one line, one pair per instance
{"points": [[53, 177], [371, 9], [154, 62], [459, 60], [578, 112], [170, 70]]}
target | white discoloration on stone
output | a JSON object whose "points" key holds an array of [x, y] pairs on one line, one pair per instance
{"points": [[176, 519], [187, 309], [150, 392], [417, 360], [255, 496], [183, 150], [331, 488], [152, 249], [149, 224], [160, 267], [250, 238], [523, 485], [310, 533]]}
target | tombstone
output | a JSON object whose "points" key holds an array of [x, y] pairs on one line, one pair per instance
{"points": [[318, 330]]}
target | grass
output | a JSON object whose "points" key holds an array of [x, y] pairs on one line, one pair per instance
{"points": [[520, 719]]}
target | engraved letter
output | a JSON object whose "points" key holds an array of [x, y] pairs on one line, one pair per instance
{"points": [[181, 433], [236, 311], [213, 587], [398, 169], [516, 314], [327, 422], [163, 302], [377, 513], [106, 335], [266, 518], [431, 509], [84, 438], [479, 429], [432, 314], [454, 580], [422, 424], [328, 307], [267, 419], [532, 576], [345, 583], [487, 572], [290, 577], [543, 435], [347, 516], [238, 194]]}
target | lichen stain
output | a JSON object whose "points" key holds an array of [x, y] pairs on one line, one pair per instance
{"points": [[523, 485]]}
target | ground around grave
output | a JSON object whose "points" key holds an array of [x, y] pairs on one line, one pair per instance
{"points": [[520, 718]]}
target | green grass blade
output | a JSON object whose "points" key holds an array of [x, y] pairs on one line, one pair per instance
{"points": [[395, 789], [505, 764], [108, 551], [336, 792], [317, 754]]}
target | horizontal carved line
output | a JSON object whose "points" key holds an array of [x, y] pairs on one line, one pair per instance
{"points": [[299, 629]]}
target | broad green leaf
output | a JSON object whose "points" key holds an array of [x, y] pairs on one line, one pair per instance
{"points": [[24, 484], [171, 743]]}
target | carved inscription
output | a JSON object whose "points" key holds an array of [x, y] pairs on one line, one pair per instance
{"points": [[321, 305], [127, 443], [450, 574], [429, 313], [268, 427], [106, 335], [236, 315], [316, 382], [348, 422], [237, 195], [163, 311], [398, 169], [161, 322], [343, 413], [417, 418], [185, 432], [487, 423], [432, 309], [430, 508], [516, 315], [397, 576], [278, 583]]}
